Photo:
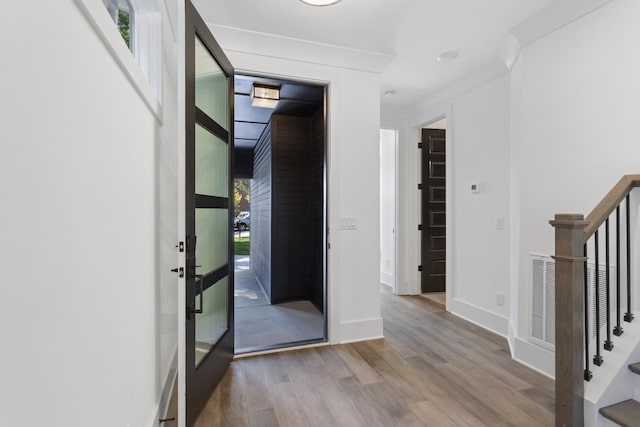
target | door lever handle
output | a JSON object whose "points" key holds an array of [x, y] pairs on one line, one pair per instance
{"points": [[180, 271], [199, 281]]}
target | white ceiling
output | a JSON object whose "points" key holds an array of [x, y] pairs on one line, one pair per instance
{"points": [[415, 32]]}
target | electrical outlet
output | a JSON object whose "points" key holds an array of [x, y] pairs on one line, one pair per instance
{"points": [[499, 298], [499, 223]]}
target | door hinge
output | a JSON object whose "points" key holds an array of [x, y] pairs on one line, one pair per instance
{"points": [[419, 186], [419, 145], [419, 227], [419, 268], [178, 270], [180, 246]]}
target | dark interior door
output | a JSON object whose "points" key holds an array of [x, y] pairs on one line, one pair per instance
{"points": [[209, 213], [434, 226]]}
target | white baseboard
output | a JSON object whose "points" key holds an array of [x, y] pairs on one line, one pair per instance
{"points": [[535, 357], [479, 316], [360, 330], [387, 278], [163, 404]]}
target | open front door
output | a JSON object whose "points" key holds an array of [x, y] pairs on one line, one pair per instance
{"points": [[209, 213]]}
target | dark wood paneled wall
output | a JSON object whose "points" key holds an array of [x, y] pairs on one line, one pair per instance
{"points": [[291, 243], [287, 209], [261, 189], [243, 163]]}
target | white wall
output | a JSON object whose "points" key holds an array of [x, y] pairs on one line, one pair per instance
{"points": [[578, 115], [87, 306], [387, 206], [478, 152], [405, 266], [354, 168]]}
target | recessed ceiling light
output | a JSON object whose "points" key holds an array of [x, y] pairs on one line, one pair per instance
{"points": [[320, 2], [447, 56]]}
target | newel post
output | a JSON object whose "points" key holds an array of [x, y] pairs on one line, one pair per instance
{"points": [[569, 258]]}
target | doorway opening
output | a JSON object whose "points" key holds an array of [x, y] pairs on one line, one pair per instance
{"points": [[433, 205], [388, 203], [280, 261]]}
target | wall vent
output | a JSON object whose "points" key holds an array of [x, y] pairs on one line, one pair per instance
{"points": [[543, 288], [543, 293]]}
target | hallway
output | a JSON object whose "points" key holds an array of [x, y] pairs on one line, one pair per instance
{"points": [[431, 369]]}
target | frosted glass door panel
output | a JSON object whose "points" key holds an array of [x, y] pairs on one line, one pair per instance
{"points": [[213, 243], [211, 164], [211, 86], [212, 323]]}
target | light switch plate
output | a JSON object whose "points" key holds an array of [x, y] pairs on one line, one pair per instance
{"points": [[347, 223]]}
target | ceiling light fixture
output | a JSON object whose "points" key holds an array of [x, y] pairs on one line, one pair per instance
{"points": [[265, 96], [447, 56], [320, 2]]}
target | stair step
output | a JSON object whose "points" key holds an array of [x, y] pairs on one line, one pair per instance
{"points": [[626, 413], [635, 368]]}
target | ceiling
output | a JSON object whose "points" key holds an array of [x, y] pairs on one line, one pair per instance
{"points": [[296, 99], [415, 32]]}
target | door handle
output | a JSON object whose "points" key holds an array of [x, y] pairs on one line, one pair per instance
{"points": [[199, 281]]}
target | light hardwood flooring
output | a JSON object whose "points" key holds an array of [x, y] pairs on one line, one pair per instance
{"points": [[438, 298], [431, 369]]}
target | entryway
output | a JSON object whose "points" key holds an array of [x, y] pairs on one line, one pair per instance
{"points": [[280, 274]]}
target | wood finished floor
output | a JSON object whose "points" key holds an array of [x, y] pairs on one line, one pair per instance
{"points": [[431, 369]]}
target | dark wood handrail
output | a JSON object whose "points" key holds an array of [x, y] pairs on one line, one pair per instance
{"points": [[609, 204]]}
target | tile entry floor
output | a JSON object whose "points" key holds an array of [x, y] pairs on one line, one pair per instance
{"points": [[259, 324]]}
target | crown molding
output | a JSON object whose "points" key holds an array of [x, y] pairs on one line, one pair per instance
{"points": [[256, 43], [552, 18]]}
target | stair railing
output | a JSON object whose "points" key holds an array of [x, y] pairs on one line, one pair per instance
{"points": [[576, 281]]}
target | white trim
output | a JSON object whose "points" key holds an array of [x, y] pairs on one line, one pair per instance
{"points": [[535, 357], [387, 278], [280, 350], [361, 330], [478, 77], [99, 18], [274, 46], [180, 143], [479, 316], [554, 17], [171, 381]]}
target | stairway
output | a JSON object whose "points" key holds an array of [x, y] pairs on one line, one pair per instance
{"points": [[626, 413]]}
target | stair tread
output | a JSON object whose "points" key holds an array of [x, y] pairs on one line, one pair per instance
{"points": [[635, 368], [626, 413]]}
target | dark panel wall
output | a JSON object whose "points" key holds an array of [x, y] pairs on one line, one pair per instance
{"points": [[260, 246], [243, 163], [287, 209], [291, 246], [316, 206]]}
